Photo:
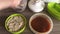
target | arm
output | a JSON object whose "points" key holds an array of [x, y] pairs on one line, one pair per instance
{"points": [[5, 4], [9, 3]]}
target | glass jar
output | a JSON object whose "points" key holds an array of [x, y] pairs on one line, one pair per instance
{"points": [[21, 7]]}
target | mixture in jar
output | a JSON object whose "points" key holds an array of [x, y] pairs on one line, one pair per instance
{"points": [[15, 23], [40, 24]]}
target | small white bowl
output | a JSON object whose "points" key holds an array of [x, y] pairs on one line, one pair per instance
{"points": [[42, 15], [36, 6]]}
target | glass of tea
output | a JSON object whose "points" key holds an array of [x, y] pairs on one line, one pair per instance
{"points": [[40, 24]]}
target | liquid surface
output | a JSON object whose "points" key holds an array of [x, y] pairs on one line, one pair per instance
{"points": [[40, 24]]}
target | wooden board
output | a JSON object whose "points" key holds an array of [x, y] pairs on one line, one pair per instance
{"points": [[27, 13]]}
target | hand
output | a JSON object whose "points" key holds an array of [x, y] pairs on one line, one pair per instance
{"points": [[15, 3], [9, 3]]}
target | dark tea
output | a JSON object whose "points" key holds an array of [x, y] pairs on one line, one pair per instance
{"points": [[40, 24]]}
